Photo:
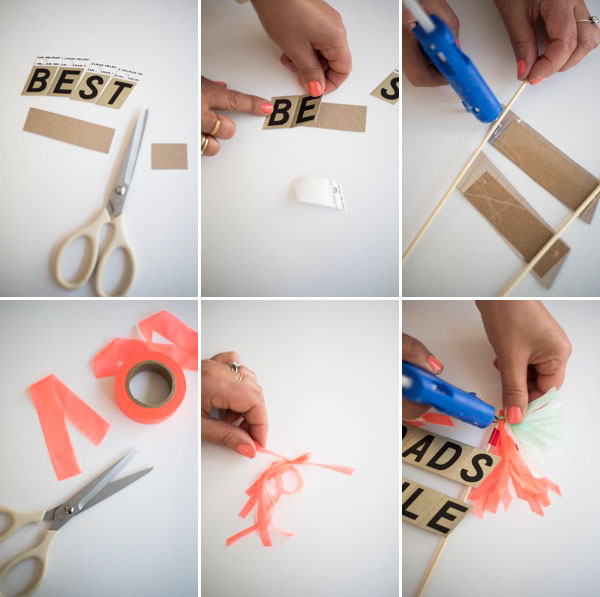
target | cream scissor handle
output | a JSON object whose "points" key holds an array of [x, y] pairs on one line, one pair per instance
{"points": [[40, 553], [91, 232], [18, 519], [117, 241]]}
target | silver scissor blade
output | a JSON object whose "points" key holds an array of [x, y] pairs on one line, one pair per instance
{"points": [[130, 157], [82, 497], [115, 486], [125, 173]]}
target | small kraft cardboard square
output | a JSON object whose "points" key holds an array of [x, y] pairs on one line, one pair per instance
{"points": [[169, 156], [388, 90], [431, 510], [70, 130]]}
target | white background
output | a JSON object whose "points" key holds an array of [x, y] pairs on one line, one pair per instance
{"points": [[462, 254], [256, 239], [51, 188], [329, 373], [518, 552], [143, 540]]}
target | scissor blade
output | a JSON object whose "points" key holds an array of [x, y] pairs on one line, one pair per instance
{"points": [[115, 486], [130, 157], [82, 497], [123, 178]]}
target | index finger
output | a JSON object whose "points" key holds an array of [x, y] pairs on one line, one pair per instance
{"points": [[339, 61], [246, 398], [236, 101], [562, 32], [550, 374]]}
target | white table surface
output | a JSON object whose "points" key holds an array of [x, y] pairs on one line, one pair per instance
{"points": [[143, 540], [329, 373], [256, 240], [51, 188], [462, 254], [518, 552]]}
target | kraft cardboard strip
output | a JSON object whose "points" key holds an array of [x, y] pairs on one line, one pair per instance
{"points": [[430, 509], [303, 110], [388, 90], [169, 156], [447, 457], [70, 130], [511, 215], [546, 164]]}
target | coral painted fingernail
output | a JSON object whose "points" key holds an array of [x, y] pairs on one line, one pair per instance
{"points": [[536, 81], [458, 43], [514, 415], [266, 108], [315, 88], [222, 83], [434, 364], [521, 66], [246, 450]]}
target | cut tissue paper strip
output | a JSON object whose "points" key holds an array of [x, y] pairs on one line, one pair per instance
{"points": [[266, 491], [183, 348], [318, 191], [54, 401], [512, 467]]}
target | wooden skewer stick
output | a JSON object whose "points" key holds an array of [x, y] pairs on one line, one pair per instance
{"points": [[442, 544], [529, 266], [463, 172]]}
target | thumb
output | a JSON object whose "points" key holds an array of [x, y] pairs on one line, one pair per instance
{"points": [[515, 396], [230, 436], [310, 70]]}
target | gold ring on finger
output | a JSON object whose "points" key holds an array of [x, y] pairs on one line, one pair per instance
{"points": [[204, 144], [215, 128]]}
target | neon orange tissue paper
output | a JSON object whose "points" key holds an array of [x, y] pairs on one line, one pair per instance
{"points": [[54, 402], [266, 491]]}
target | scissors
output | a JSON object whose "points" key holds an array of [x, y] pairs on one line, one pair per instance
{"points": [[111, 214], [93, 493]]}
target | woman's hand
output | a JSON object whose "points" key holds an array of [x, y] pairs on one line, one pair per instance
{"points": [[216, 96], [531, 350], [567, 42], [237, 396], [414, 352], [416, 66], [313, 39]]}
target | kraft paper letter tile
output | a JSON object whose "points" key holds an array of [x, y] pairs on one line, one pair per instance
{"points": [[341, 117], [418, 501], [407, 433], [119, 88], [319, 191], [169, 156], [67, 77], [388, 90], [307, 110], [70, 130], [431, 510], [284, 109], [41, 75], [546, 164], [470, 466], [512, 216], [93, 81]]}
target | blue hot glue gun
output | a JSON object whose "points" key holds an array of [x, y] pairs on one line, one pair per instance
{"points": [[441, 48], [421, 386]]}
